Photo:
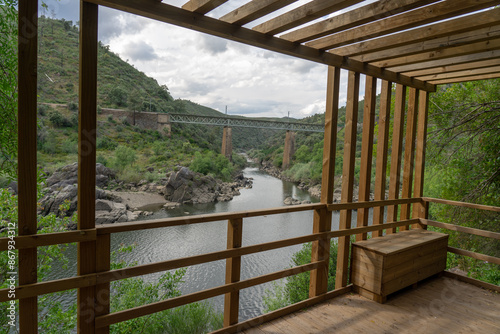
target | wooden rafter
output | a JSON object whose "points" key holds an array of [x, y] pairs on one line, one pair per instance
{"points": [[469, 78], [456, 68], [253, 10], [183, 18], [466, 73], [306, 13], [429, 14], [202, 6], [451, 28], [353, 18]]}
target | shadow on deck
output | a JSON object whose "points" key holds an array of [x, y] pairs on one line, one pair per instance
{"points": [[438, 305]]}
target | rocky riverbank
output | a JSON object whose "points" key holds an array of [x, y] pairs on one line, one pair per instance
{"points": [[118, 201]]}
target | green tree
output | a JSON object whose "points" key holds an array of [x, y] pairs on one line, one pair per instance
{"points": [[124, 156], [118, 96]]}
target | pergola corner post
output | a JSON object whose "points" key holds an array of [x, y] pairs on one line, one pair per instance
{"points": [[87, 124], [351, 123], [323, 218], [27, 147]]}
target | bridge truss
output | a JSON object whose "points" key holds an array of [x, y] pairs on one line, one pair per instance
{"points": [[245, 123]]}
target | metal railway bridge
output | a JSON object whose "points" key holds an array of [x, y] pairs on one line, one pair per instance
{"points": [[245, 123], [229, 122]]}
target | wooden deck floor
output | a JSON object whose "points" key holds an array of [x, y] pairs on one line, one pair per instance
{"points": [[439, 305]]}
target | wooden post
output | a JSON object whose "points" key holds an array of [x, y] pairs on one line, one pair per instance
{"points": [[366, 152], [103, 263], [233, 270], [351, 123], [27, 175], [382, 146], [411, 128], [86, 160], [397, 143], [323, 219], [227, 146], [289, 149], [419, 210]]}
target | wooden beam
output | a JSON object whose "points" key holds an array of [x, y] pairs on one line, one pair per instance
{"points": [[474, 255], [233, 271], [463, 50], [351, 124], [462, 204], [460, 26], [382, 148], [447, 62], [469, 230], [48, 239], [202, 6], [407, 20], [455, 68], [472, 281], [87, 125], [409, 155], [396, 151], [103, 264], [420, 209], [322, 219], [469, 37], [353, 18], [465, 79], [466, 73], [183, 18], [27, 147], [253, 10], [366, 151], [303, 14]]}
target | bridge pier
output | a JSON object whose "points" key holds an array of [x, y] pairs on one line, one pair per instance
{"points": [[227, 146], [289, 149]]}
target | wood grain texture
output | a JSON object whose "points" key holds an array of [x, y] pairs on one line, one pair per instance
{"points": [[103, 264], [351, 124], [27, 148], [366, 151], [253, 10], [202, 6], [462, 204], [320, 252], [87, 125], [233, 271], [382, 148], [470, 230]]}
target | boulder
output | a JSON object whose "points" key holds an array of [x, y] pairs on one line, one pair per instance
{"points": [[68, 175]]}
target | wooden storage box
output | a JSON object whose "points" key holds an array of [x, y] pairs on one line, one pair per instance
{"points": [[381, 266]]}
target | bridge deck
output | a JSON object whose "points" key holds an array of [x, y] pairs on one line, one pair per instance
{"points": [[439, 305]]}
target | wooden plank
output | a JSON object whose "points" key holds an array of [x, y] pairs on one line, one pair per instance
{"points": [[462, 50], [410, 266], [409, 155], [29, 241], [371, 204], [323, 219], [87, 125], [233, 271], [194, 21], [103, 264], [202, 6], [140, 311], [474, 255], [407, 20], [353, 18], [420, 209], [27, 147], [396, 150], [197, 219], [351, 124], [244, 325], [382, 148], [442, 32], [472, 281], [468, 37], [320, 252], [446, 62], [470, 230], [253, 10], [366, 151], [462, 204], [455, 68], [303, 14], [465, 79], [465, 73]]}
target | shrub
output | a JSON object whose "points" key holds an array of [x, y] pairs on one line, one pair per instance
{"points": [[42, 109], [124, 156], [73, 106], [59, 120], [214, 164]]}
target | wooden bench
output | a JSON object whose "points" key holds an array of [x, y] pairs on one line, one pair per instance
{"points": [[381, 266]]}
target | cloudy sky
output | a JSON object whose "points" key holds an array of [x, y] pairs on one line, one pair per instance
{"points": [[209, 70]]}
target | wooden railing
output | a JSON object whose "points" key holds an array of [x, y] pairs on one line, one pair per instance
{"points": [[102, 278]]}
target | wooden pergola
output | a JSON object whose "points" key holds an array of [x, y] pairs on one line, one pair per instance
{"points": [[415, 44]]}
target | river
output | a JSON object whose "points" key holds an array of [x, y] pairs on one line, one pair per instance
{"points": [[181, 241]]}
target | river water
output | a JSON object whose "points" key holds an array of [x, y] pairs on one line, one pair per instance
{"points": [[181, 241]]}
